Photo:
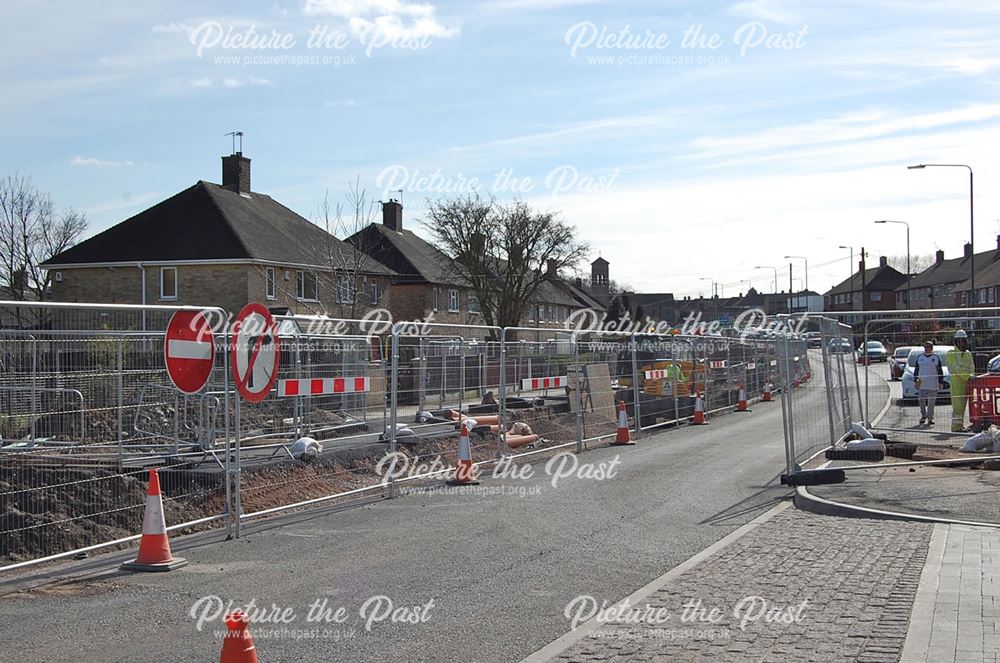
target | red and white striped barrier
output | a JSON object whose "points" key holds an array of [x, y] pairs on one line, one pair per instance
{"points": [[717, 363], [544, 383], [322, 386], [659, 374]]}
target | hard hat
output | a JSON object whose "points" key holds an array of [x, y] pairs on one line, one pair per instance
{"points": [[961, 334]]}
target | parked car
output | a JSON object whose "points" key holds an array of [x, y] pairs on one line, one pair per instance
{"points": [[909, 388], [898, 362], [840, 346], [872, 351], [814, 339]]}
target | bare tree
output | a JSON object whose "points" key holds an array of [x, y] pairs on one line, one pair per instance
{"points": [[918, 263], [503, 252], [30, 234], [356, 287]]}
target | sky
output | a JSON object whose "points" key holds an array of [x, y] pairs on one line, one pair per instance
{"points": [[688, 142]]}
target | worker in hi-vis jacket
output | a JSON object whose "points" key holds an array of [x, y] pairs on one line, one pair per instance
{"points": [[960, 367]]}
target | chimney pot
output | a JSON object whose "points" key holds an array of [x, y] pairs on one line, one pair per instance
{"points": [[939, 256], [392, 215], [551, 267], [236, 173], [968, 249], [883, 261]]}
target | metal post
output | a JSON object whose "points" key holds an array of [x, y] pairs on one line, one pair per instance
{"points": [[786, 410], [579, 393], [636, 391], [828, 382], [177, 421], [501, 419], [461, 378], [121, 407], [393, 391], [237, 471], [34, 389], [864, 406], [225, 434]]}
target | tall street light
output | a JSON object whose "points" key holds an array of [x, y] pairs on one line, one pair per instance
{"points": [[909, 276], [707, 278], [806, 265], [775, 275], [972, 223]]}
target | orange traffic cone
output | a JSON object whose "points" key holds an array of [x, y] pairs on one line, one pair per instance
{"points": [[154, 546], [464, 472], [699, 411], [741, 404], [766, 398], [238, 644], [622, 437]]}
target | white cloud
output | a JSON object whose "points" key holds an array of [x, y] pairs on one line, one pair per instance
{"points": [[173, 28], [386, 17], [209, 82], [341, 103], [766, 10], [98, 163]]}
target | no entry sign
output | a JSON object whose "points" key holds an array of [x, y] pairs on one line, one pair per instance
{"points": [[189, 350], [254, 353]]}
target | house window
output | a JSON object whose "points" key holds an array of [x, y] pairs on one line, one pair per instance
{"points": [[168, 283], [541, 312], [270, 282], [307, 287], [965, 298], [435, 296], [345, 293], [993, 295], [453, 301], [376, 292], [982, 296], [876, 296], [473, 302]]}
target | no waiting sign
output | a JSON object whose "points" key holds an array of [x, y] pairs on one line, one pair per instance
{"points": [[255, 352]]}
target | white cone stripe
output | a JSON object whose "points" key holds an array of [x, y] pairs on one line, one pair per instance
{"points": [[153, 521], [622, 420], [464, 450], [178, 349]]}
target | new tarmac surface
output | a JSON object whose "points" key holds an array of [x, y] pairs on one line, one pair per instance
{"points": [[487, 576]]}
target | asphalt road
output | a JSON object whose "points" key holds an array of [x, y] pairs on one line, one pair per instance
{"points": [[500, 569]]}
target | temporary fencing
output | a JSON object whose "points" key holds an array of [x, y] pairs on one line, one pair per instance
{"points": [[88, 408]]}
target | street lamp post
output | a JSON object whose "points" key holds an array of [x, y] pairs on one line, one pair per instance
{"points": [[803, 258], [909, 276], [972, 222], [775, 275]]}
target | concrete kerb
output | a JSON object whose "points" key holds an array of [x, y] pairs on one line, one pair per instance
{"points": [[556, 647]]}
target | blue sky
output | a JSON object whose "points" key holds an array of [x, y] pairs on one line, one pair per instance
{"points": [[676, 161]]}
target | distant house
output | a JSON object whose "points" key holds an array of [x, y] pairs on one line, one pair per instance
{"points": [[871, 289], [424, 283], [945, 283], [224, 246]]}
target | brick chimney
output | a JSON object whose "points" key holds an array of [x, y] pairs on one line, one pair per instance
{"points": [[392, 215], [236, 173], [968, 250], [939, 257], [883, 261], [551, 267]]}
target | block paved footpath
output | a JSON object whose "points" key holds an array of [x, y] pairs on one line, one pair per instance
{"points": [[862, 590]]}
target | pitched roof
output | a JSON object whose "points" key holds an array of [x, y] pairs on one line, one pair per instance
{"points": [[882, 277], [411, 256], [955, 270], [209, 222]]}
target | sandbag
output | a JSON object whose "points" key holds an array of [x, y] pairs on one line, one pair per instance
{"points": [[979, 442], [859, 430], [305, 448], [867, 443]]}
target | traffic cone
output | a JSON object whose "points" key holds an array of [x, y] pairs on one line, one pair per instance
{"points": [[464, 472], [622, 437], [238, 647], [154, 546], [766, 398], [699, 411], [741, 405]]}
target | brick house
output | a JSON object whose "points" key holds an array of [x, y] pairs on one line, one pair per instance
{"points": [[226, 246], [424, 283], [871, 289]]}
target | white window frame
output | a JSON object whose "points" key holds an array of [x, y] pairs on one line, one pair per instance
{"points": [[345, 289], [270, 283], [454, 301], [376, 292], [164, 297], [472, 302], [300, 286], [435, 298], [875, 296]]}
